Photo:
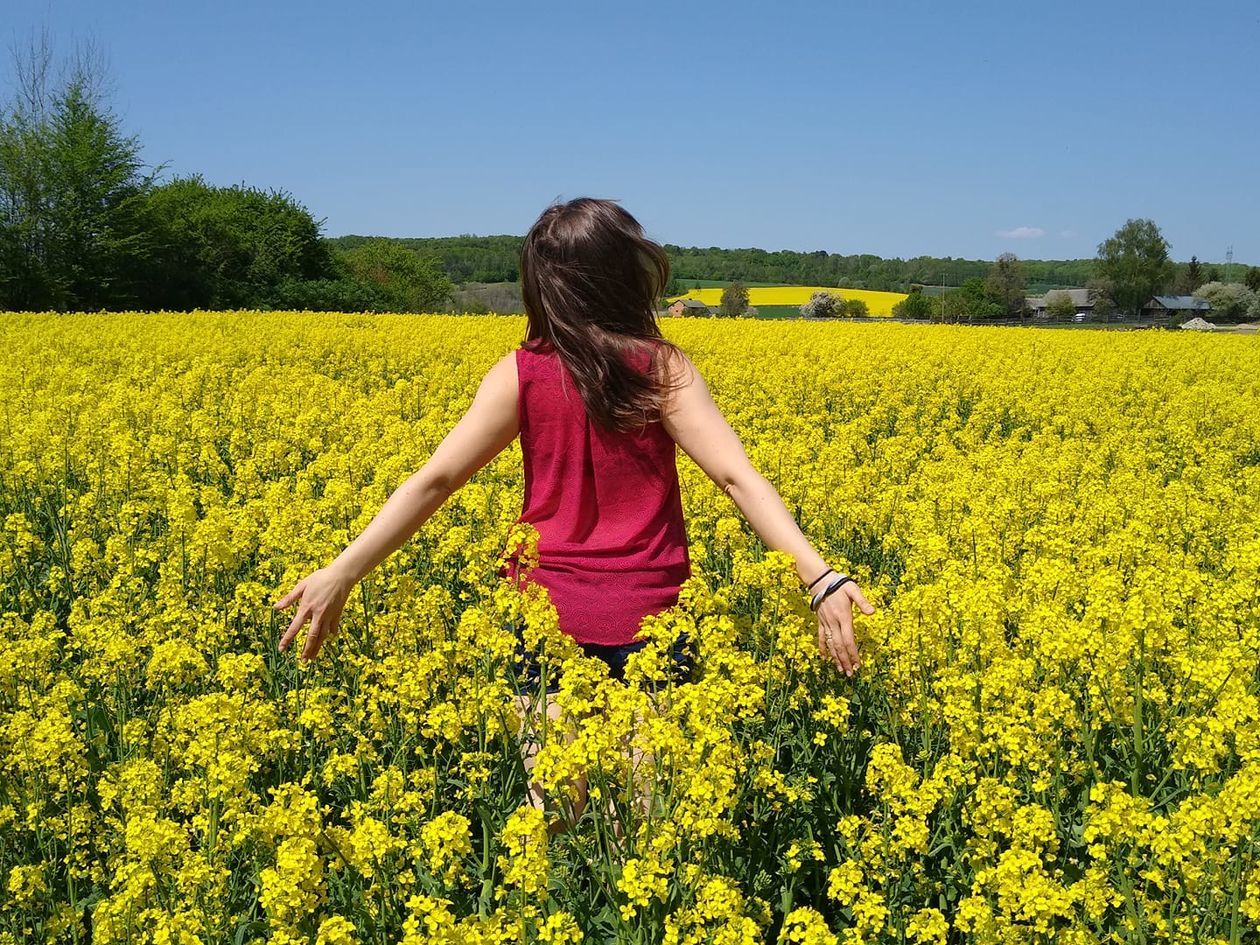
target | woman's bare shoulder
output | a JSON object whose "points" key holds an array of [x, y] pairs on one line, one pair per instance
{"points": [[677, 365]]}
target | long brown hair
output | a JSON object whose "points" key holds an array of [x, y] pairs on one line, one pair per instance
{"points": [[590, 281]]}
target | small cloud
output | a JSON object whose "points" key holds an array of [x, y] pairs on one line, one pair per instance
{"points": [[1068, 234], [1022, 233]]}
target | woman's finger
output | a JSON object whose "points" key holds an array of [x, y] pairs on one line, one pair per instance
{"points": [[860, 598], [833, 651], [826, 645], [847, 640], [298, 619], [290, 597], [314, 637]]}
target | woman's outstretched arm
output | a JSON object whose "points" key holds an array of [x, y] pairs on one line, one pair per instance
{"points": [[700, 430], [488, 426]]}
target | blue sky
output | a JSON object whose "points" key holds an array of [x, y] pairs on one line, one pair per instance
{"points": [[895, 128]]}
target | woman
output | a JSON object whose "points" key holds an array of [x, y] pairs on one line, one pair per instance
{"points": [[600, 399]]}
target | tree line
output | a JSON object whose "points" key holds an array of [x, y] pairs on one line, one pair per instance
{"points": [[1132, 266], [494, 259], [497, 259]]}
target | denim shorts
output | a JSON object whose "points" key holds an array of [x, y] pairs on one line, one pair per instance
{"points": [[527, 672]]}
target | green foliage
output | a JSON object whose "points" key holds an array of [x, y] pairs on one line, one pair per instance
{"points": [[854, 308], [915, 305], [863, 271], [325, 295], [1230, 301], [464, 258], [410, 282], [1136, 261], [1104, 307], [1252, 279], [1189, 277], [230, 247], [971, 302], [71, 195], [1059, 304], [497, 259], [734, 300], [1007, 284], [1102, 292]]}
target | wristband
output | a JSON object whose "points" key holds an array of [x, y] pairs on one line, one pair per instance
{"points": [[833, 586], [810, 585]]}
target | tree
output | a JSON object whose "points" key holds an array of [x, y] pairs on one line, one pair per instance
{"points": [[1059, 304], [734, 300], [1230, 301], [230, 247], [822, 305], [1006, 284], [1136, 260], [1102, 294], [331, 295], [854, 308], [1190, 278], [914, 305], [72, 188], [411, 282], [1252, 279], [971, 301]]}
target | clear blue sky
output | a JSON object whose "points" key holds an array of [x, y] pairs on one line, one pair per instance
{"points": [[896, 128]]}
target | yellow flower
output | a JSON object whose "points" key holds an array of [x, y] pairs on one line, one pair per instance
{"points": [[524, 861], [446, 841], [336, 930]]}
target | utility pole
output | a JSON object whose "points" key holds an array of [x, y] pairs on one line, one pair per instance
{"points": [[1229, 263]]}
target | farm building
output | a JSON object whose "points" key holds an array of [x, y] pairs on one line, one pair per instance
{"points": [[1175, 307], [1080, 298], [689, 307]]}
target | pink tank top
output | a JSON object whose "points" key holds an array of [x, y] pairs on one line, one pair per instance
{"points": [[612, 545]]}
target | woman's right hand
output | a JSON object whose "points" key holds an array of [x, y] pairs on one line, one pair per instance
{"points": [[322, 595], [835, 626]]}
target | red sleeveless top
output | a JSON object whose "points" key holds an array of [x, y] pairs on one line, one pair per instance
{"points": [[612, 545]]}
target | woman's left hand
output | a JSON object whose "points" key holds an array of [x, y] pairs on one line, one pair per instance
{"points": [[322, 595]]}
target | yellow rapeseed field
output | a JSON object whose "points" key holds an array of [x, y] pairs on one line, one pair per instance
{"points": [[1055, 736], [877, 303]]}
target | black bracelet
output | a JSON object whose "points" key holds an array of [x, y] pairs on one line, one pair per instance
{"points": [[810, 585], [831, 589]]}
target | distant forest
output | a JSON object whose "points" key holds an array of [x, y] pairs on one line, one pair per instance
{"points": [[497, 259]]}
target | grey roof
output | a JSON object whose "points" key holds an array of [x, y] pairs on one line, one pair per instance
{"points": [[691, 303], [1186, 303]]}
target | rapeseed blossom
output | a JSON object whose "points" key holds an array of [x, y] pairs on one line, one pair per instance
{"points": [[1055, 736]]}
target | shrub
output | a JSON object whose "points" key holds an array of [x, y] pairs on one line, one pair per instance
{"points": [[823, 305], [914, 305], [1059, 304], [1229, 300]]}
